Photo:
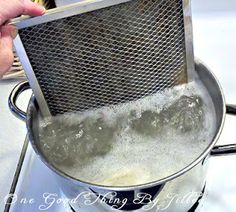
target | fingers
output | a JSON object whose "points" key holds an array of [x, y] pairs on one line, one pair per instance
{"points": [[7, 33], [32, 9], [12, 8]]}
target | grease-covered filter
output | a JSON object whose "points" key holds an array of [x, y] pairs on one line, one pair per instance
{"points": [[103, 52]]}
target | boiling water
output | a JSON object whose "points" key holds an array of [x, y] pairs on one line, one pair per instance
{"points": [[132, 143]]}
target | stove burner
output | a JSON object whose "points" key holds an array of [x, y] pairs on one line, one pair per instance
{"points": [[131, 207], [72, 209], [196, 204], [130, 196]]}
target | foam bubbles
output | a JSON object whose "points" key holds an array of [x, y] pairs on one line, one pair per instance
{"points": [[132, 143]]}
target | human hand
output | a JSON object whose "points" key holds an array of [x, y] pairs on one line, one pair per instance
{"points": [[11, 9]]}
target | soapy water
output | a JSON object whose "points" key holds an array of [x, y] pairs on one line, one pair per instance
{"points": [[132, 143]]}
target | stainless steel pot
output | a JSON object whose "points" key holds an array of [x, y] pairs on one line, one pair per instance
{"points": [[161, 192]]}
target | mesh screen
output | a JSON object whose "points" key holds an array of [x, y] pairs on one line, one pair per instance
{"points": [[108, 56]]}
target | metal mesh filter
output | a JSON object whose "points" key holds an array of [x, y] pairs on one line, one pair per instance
{"points": [[108, 56]]}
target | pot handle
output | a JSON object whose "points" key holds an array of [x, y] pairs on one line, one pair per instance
{"points": [[17, 90], [229, 148]]}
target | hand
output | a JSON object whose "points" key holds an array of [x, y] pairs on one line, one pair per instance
{"points": [[10, 9]]}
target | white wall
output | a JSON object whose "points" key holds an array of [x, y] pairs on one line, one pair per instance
{"points": [[205, 6]]}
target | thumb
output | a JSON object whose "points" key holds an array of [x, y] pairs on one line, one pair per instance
{"points": [[33, 9], [6, 46]]}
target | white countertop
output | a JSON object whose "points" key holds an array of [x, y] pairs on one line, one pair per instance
{"points": [[215, 45]]}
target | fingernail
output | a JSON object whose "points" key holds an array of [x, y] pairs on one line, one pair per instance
{"points": [[42, 8], [14, 32]]}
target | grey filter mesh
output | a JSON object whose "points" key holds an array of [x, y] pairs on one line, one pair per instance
{"points": [[108, 56]]}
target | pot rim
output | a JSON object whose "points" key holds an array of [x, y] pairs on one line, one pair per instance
{"points": [[132, 187]]}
